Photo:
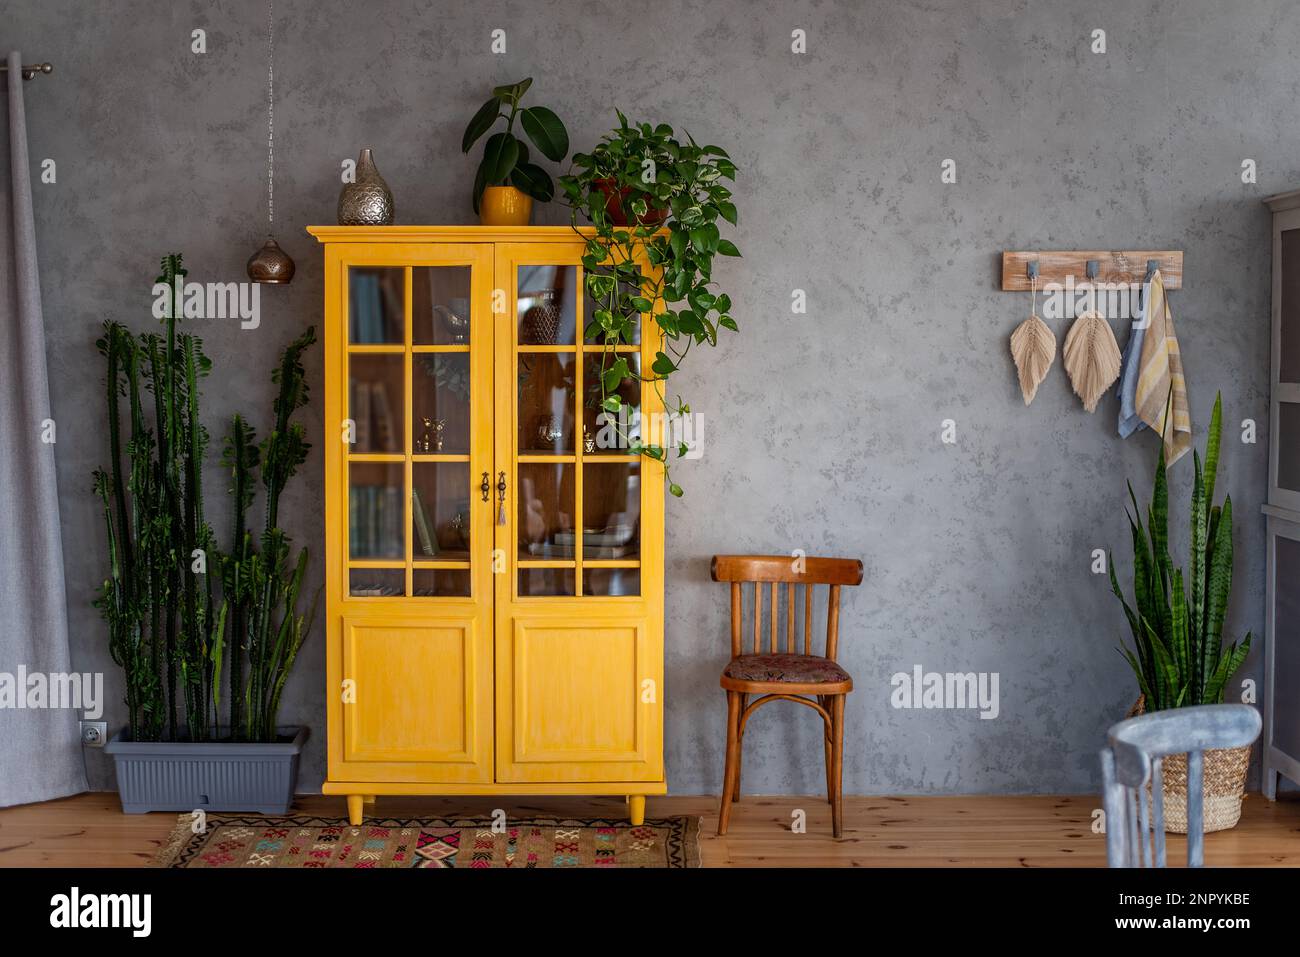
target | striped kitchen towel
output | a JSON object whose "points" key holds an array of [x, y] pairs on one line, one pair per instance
{"points": [[1161, 395]]}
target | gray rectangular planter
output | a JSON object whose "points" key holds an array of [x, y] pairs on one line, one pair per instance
{"points": [[208, 775]]}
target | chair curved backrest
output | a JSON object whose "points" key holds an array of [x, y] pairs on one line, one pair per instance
{"points": [[790, 570], [1133, 757]]}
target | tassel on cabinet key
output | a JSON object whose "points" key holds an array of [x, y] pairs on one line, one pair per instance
{"points": [[501, 498]]}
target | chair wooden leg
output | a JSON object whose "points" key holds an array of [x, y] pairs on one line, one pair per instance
{"points": [[733, 760], [837, 752], [825, 702], [740, 749]]}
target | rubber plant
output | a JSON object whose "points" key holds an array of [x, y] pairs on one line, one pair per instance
{"points": [[506, 160], [655, 200], [165, 627], [1179, 655]]}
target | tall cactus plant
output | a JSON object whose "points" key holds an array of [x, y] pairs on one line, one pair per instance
{"points": [[1179, 656], [166, 628]]}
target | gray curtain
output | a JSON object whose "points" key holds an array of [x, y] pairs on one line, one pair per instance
{"points": [[40, 756]]}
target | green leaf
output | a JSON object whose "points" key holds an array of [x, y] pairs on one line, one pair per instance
{"points": [[487, 114], [728, 323], [675, 489], [499, 158], [512, 92], [534, 181], [662, 365], [480, 182], [613, 377], [546, 131], [727, 248], [728, 211], [1212, 447]]}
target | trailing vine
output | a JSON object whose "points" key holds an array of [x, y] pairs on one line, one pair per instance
{"points": [[657, 202]]}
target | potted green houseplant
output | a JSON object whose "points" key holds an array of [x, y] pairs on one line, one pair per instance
{"points": [[508, 181], [1179, 656], [183, 617], [654, 200]]}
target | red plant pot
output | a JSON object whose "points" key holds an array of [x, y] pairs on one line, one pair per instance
{"points": [[618, 215]]}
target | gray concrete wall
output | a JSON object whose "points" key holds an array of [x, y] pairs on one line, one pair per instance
{"points": [[823, 429]]}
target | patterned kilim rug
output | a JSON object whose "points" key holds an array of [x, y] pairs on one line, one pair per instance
{"points": [[249, 840]]}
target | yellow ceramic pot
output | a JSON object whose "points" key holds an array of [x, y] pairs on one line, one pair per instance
{"points": [[505, 206]]}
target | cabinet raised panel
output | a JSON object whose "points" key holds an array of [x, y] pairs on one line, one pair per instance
{"points": [[577, 702], [414, 691]]}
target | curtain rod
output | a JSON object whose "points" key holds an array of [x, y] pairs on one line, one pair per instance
{"points": [[29, 72]]}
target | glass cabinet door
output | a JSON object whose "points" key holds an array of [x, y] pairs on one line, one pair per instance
{"points": [[418, 385], [577, 487]]}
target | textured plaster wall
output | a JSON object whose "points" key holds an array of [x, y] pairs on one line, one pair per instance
{"points": [[823, 429]]}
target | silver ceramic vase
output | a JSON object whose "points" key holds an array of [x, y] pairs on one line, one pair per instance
{"points": [[368, 201]]}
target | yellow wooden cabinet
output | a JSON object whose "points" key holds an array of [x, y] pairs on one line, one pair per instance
{"points": [[494, 555]]}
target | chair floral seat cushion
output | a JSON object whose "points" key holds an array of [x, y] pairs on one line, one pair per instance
{"points": [[801, 669]]}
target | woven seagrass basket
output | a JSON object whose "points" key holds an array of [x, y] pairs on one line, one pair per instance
{"points": [[1224, 786]]}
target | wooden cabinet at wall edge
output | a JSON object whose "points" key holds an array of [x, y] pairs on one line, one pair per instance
{"points": [[494, 576]]}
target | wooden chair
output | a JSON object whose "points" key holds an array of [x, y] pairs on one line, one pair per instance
{"points": [[1133, 757], [792, 675]]}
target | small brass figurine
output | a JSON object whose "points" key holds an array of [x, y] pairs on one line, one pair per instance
{"points": [[426, 442], [588, 443]]}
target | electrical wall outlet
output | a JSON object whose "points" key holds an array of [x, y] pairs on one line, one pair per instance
{"points": [[94, 734]]}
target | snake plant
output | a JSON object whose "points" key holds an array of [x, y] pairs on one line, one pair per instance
{"points": [[1179, 656]]}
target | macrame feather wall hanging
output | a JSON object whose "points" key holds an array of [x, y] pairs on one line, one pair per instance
{"points": [[1033, 347], [1091, 355]]}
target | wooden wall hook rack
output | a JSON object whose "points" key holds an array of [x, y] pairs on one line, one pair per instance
{"points": [[1127, 266]]}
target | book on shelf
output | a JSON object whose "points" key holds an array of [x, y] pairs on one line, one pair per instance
{"points": [[385, 428], [428, 543], [360, 409]]}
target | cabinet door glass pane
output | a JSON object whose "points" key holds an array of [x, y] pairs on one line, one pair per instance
{"points": [[1289, 308], [611, 582], [440, 511], [376, 582], [546, 384], [440, 391], [376, 511], [376, 396], [1288, 446], [611, 510], [542, 582], [609, 433], [545, 511], [546, 302], [440, 305], [628, 334], [376, 305], [1286, 639], [440, 582]]}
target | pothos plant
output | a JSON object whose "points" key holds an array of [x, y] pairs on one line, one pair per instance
{"points": [[505, 157], [657, 201]]}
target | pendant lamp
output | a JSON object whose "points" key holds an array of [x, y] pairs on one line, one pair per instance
{"points": [[270, 264]]}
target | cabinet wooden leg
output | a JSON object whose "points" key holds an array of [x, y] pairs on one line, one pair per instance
{"points": [[355, 802], [636, 809], [837, 753], [1269, 783], [733, 760]]}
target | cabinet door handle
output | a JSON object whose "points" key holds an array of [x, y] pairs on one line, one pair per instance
{"points": [[485, 487], [501, 498]]}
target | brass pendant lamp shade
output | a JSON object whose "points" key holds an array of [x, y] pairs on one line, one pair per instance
{"points": [[270, 264]]}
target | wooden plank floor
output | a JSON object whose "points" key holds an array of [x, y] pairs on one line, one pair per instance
{"points": [[90, 830]]}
